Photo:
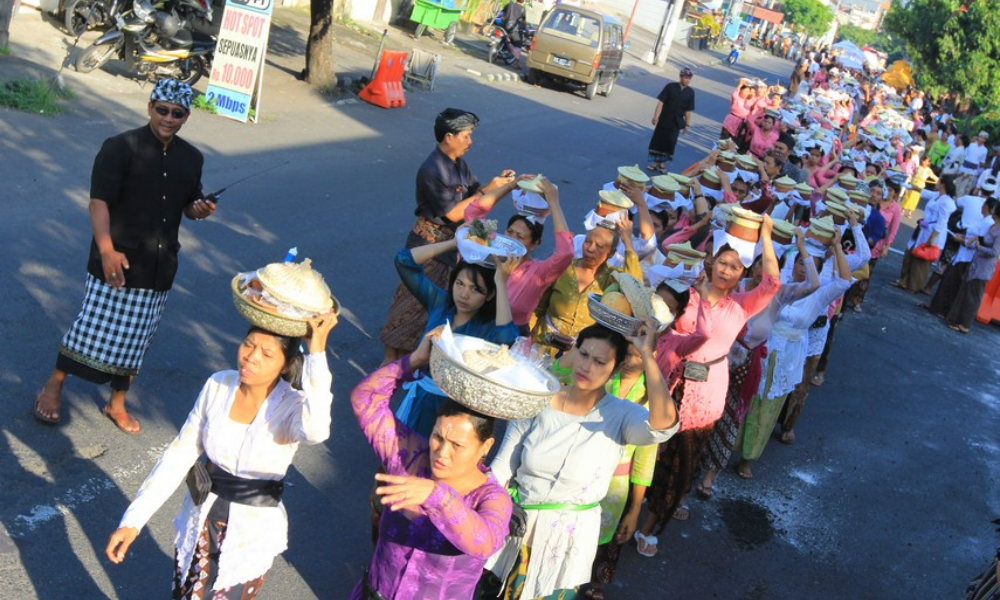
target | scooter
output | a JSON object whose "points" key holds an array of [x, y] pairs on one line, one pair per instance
{"points": [[82, 15], [156, 43], [502, 44], [734, 55]]}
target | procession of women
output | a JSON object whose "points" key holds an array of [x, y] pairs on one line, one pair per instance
{"points": [[540, 417]]}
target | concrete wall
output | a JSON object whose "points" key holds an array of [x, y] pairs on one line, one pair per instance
{"points": [[648, 15]]}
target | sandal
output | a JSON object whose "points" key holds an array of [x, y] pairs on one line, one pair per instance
{"points": [[594, 593], [818, 379], [958, 328], [121, 422], [744, 472], [705, 493], [682, 513], [649, 541], [52, 418]]}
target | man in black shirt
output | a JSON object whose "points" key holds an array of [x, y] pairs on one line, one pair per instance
{"points": [[445, 188], [674, 108], [142, 182]]}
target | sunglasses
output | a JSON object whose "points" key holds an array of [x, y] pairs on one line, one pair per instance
{"points": [[176, 113]]}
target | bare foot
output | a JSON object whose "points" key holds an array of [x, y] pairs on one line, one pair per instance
{"points": [[123, 420], [818, 379], [787, 437], [743, 470], [682, 513], [47, 405]]}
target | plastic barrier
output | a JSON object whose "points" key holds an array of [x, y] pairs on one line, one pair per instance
{"points": [[386, 90]]}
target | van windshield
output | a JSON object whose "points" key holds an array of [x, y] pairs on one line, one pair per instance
{"points": [[573, 26]]}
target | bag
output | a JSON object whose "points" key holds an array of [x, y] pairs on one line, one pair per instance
{"points": [[695, 371], [926, 251], [819, 322], [199, 483]]}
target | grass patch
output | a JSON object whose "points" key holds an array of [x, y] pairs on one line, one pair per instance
{"points": [[202, 102], [33, 95], [5, 51]]}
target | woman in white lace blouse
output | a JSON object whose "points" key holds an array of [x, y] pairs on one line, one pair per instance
{"points": [[248, 423]]}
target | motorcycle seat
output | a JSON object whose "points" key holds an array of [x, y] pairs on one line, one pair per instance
{"points": [[185, 39]]}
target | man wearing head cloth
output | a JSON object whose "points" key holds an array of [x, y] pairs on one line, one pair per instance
{"points": [[674, 107], [142, 182], [445, 188], [782, 152]]}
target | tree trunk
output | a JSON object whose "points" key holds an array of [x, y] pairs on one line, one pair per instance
{"points": [[319, 47], [7, 8]]}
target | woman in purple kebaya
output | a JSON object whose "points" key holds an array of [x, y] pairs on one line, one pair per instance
{"points": [[446, 512]]}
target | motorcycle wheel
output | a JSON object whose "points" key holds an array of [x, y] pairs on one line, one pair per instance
{"points": [[79, 17], [191, 70], [491, 54], [449, 34], [94, 57], [508, 57]]}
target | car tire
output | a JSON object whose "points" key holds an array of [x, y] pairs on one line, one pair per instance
{"points": [[610, 86], [591, 90], [533, 77]]}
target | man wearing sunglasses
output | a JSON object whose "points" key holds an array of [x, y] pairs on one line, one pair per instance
{"points": [[143, 180]]}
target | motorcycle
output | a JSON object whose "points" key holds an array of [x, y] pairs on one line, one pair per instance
{"points": [[734, 55], [502, 44], [82, 15], [156, 43]]}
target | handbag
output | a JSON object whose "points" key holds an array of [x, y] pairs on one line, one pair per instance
{"points": [[926, 251], [199, 483]]}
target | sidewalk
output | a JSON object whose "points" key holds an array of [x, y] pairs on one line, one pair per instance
{"points": [[39, 46]]}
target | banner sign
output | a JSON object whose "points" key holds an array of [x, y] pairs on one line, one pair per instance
{"points": [[237, 68]]}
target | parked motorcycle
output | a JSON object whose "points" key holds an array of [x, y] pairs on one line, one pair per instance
{"points": [[156, 43], [82, 15]]}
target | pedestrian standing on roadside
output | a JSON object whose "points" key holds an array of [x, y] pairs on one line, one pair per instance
{"points": [[674, 107], [143, 181], [445, 188]]}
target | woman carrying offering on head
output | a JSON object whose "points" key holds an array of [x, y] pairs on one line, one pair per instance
{"points": [[562, 311], [447, 513], [561, 462], [701, 391], [248, 423], [531, 278], [474, 304]]}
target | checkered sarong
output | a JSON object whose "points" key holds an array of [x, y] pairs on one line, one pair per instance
{"points": [[114, 327]]}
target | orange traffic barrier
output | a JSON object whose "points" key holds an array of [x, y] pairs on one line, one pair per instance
{"points": [[386, 90]]}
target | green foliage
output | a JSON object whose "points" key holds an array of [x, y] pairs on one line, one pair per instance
{"points": [[858, 35], [201, 102], [32, 95], [988, 120], [812, 15], [952, 48]]}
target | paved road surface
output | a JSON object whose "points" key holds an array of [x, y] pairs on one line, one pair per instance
{"points": [[887, 494]]}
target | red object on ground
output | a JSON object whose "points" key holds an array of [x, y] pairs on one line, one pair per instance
{"points": [[989, 308], [386, 89]]}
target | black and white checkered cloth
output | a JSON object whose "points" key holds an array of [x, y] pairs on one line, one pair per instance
{"points": [[114, 327]]}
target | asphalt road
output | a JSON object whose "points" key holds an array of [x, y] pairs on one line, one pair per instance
{"points": [[886, 494]]}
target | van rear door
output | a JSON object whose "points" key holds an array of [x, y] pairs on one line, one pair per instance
{"points": [[567, 44]]}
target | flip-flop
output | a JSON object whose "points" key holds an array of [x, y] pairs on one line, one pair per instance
{"points": [[744, 473], [649, 540], [41, 418], [107, 413]]}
